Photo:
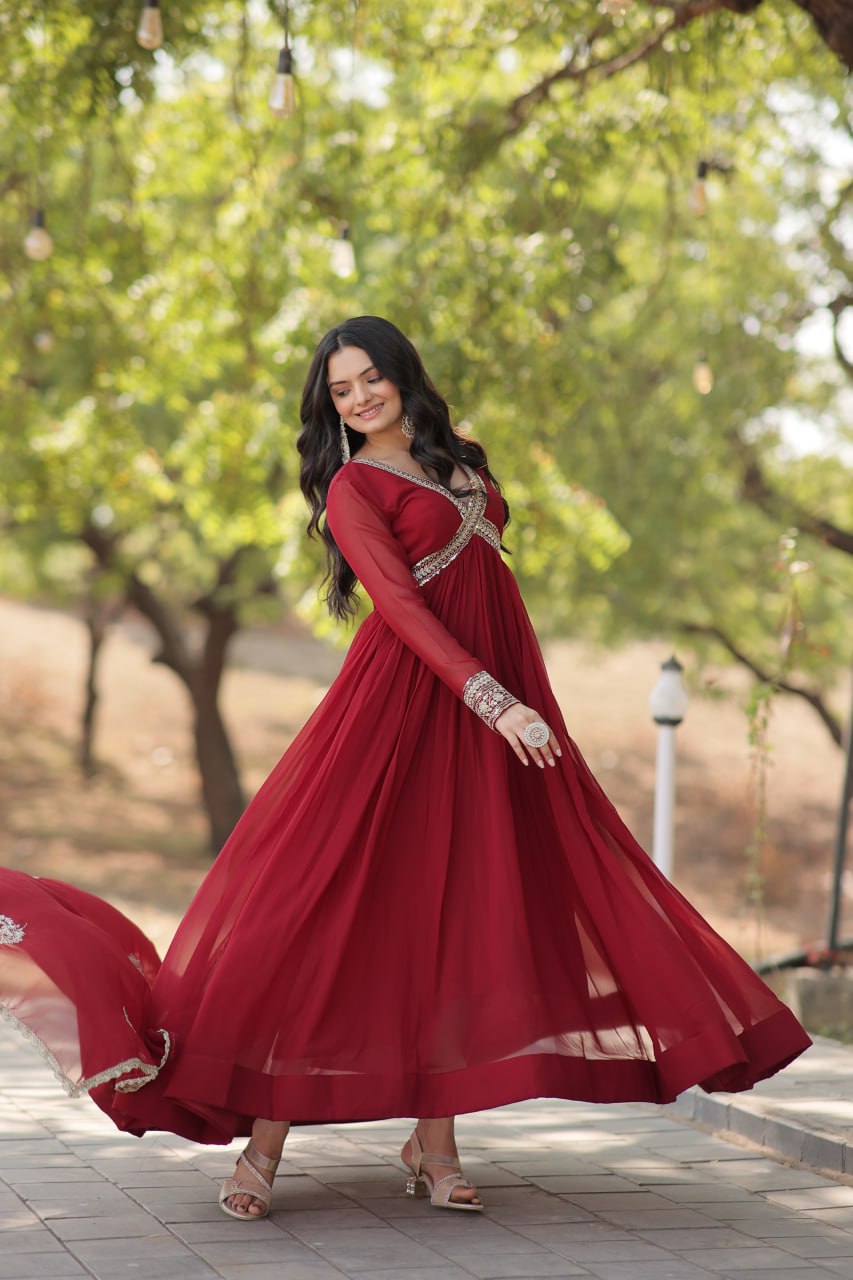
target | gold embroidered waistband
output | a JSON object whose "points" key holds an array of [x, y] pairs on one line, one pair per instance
{"points": [[474, 523]]}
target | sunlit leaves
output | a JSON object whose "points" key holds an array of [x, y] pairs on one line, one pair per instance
{"points": [[537, 248]]}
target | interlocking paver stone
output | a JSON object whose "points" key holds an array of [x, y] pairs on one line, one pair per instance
{"points": [[369, 1247], [28, 1240], [602, 1193], [792, 1273], [308, 1269], [151, 1269], [738, 1210], [414, 1273], [765, 1258], [677, 1269], [835, 1217], [628, 1250], [822, 1246], [719, 1237], [105, 1227], [38, 1266], [520, 1266], [813, 1198], [796, 1224], [660, 1218]]}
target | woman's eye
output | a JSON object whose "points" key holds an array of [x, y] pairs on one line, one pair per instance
{"points": [[344, 391]]}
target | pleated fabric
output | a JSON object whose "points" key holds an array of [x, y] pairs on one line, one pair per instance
{"points": [[406, 921]]}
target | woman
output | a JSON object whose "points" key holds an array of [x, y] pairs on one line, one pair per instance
{"points": [[408, 919]]}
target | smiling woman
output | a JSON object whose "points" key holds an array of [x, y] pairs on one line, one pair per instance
{"points": [[369, 389], [408, 920], [361, 395]]}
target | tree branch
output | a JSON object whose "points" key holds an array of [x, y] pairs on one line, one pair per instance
{"points": [[837, 307], [756, 488], [173, 652], [832, 18], [811, 696], [519, 109]]}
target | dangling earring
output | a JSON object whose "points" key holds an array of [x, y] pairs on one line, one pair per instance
{"points": [[408, 427], [345, 454]]}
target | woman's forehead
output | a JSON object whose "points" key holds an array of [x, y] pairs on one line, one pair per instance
{"points": [[348, 363]]}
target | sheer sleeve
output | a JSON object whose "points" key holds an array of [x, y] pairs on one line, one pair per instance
{"points": [[369, 547]]}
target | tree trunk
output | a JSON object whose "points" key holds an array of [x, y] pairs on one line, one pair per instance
{"points": [[220, 781], [223, 796], [96, 627], [99, 616]]}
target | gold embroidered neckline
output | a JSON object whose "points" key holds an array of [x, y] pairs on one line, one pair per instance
{"points": [[424, 481], [470, 508]]}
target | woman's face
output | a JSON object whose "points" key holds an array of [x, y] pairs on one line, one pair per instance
{"points": [[367, 401]]}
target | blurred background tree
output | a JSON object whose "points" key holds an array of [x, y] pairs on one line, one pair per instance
{"points": [[516, 182]]}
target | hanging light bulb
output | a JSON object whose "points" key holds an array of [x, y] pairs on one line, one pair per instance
{"points": [[282, 99], [149, 33], [45, 341], [343, 254], [38, 245], [703, 376], [697, 201]]}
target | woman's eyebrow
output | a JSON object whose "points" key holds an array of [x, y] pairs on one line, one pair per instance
{"points": [[360, 375]]}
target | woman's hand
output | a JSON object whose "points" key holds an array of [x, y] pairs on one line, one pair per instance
{"points": [[512, 723]]}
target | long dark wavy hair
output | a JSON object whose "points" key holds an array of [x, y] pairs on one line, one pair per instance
{"points": [[436, 446]]}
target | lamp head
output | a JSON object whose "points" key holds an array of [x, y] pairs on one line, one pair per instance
{"points": [[668, 700]]}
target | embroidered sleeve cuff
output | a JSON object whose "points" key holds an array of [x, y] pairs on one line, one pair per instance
{"points": [[486, 697]]}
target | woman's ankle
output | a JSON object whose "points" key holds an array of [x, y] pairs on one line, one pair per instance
{"points": [[437, 1134], [269, 1136]]}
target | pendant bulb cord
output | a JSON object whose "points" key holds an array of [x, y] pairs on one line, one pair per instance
{"points": [[706, 88], [281, 13], [351, 125], [703, 356], [41, 128]]}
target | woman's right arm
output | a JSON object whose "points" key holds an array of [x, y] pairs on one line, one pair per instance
{"points": [[367, 543], [364, 536]]}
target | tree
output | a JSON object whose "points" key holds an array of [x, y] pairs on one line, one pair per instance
{"points": [[528, 228]]}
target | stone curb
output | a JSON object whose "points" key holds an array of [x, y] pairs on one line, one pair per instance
{"points": [[747, 1118]]}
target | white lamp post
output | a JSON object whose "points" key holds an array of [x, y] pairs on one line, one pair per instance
{"points": [[667, 703]]}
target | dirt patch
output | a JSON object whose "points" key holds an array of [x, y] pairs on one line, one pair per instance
{"points": [[135, 833]]}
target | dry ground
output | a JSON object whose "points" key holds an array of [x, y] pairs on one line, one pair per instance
{"points": [[136, 835]]}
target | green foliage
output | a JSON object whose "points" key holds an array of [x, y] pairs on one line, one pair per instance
{"points": [[537, 248]]}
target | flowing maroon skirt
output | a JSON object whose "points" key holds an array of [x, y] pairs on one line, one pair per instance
{"points": [[405, 922]]}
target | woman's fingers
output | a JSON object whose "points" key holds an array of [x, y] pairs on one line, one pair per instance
{"points": [[542, 756], [512, 724]]}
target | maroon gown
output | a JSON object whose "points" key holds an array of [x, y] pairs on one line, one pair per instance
{"points": [[406, 921]]}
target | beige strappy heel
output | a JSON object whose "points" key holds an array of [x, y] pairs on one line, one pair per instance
{"points": [[441, 1189], [259, 1189]]}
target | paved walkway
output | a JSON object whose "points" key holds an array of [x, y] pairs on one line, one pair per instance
{"points": [[803, 1114], [611, 1193]]}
